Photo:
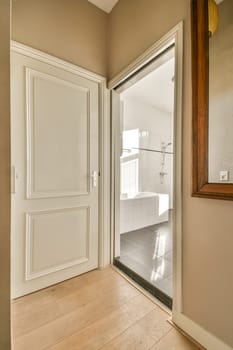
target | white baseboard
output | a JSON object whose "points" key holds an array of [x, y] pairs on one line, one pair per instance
{"points": [[199, 334]]}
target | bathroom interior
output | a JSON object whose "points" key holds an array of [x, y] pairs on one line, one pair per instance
{"points": [[146, 178]]}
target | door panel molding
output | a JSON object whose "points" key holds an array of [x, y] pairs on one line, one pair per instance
{"points": [[32, 76], [30, 218]]}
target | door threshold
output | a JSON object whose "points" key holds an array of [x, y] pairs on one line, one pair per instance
{"points": [[157, 293]]}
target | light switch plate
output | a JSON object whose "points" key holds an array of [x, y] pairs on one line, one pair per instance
{"points": [[224, 175]]}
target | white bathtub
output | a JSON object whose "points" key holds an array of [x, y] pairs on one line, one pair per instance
{"points": [[142, 209]]}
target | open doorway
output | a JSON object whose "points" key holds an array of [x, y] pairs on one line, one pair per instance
{"points": [[146, 137]]}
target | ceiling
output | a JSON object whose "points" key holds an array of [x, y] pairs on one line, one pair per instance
{"points": [[155, 89], [105, 5]]}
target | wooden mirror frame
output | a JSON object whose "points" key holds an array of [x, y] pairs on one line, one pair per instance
{"points": [[200, 107]]}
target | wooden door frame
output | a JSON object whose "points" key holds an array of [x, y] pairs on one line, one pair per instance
{"points": [[174, 36], [104, 141]]}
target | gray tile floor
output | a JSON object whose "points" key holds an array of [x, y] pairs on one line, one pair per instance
{"points": [[148, 252]]}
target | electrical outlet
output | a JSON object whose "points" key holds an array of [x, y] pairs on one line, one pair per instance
{"points": [[224, 175]]}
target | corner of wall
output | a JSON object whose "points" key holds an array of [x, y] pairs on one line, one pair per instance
{"points": [[5, 333]]}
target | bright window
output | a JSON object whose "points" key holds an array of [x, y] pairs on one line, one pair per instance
{"points": [[130, 142], [130, 161]]}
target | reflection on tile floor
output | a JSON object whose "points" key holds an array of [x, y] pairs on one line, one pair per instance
{"points": [[148, 252]]}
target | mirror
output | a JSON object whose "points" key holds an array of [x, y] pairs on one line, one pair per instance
{"points": [[212, 83], [221, 96]]}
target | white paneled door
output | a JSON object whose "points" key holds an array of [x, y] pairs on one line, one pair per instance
{"points": [[54, 174]]}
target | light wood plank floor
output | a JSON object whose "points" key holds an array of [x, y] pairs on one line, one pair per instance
{"points": [[98, 310]]}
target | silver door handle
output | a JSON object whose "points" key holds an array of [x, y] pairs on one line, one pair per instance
{"points": [[94, 178]]}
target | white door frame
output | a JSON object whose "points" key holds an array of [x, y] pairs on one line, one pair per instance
{"points": [[174, 36], [104, 141]]}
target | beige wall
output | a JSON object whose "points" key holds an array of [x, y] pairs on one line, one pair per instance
{"points": [[207, 224], [73, 30], [76, 31], [4, 175], [135, 25]]}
